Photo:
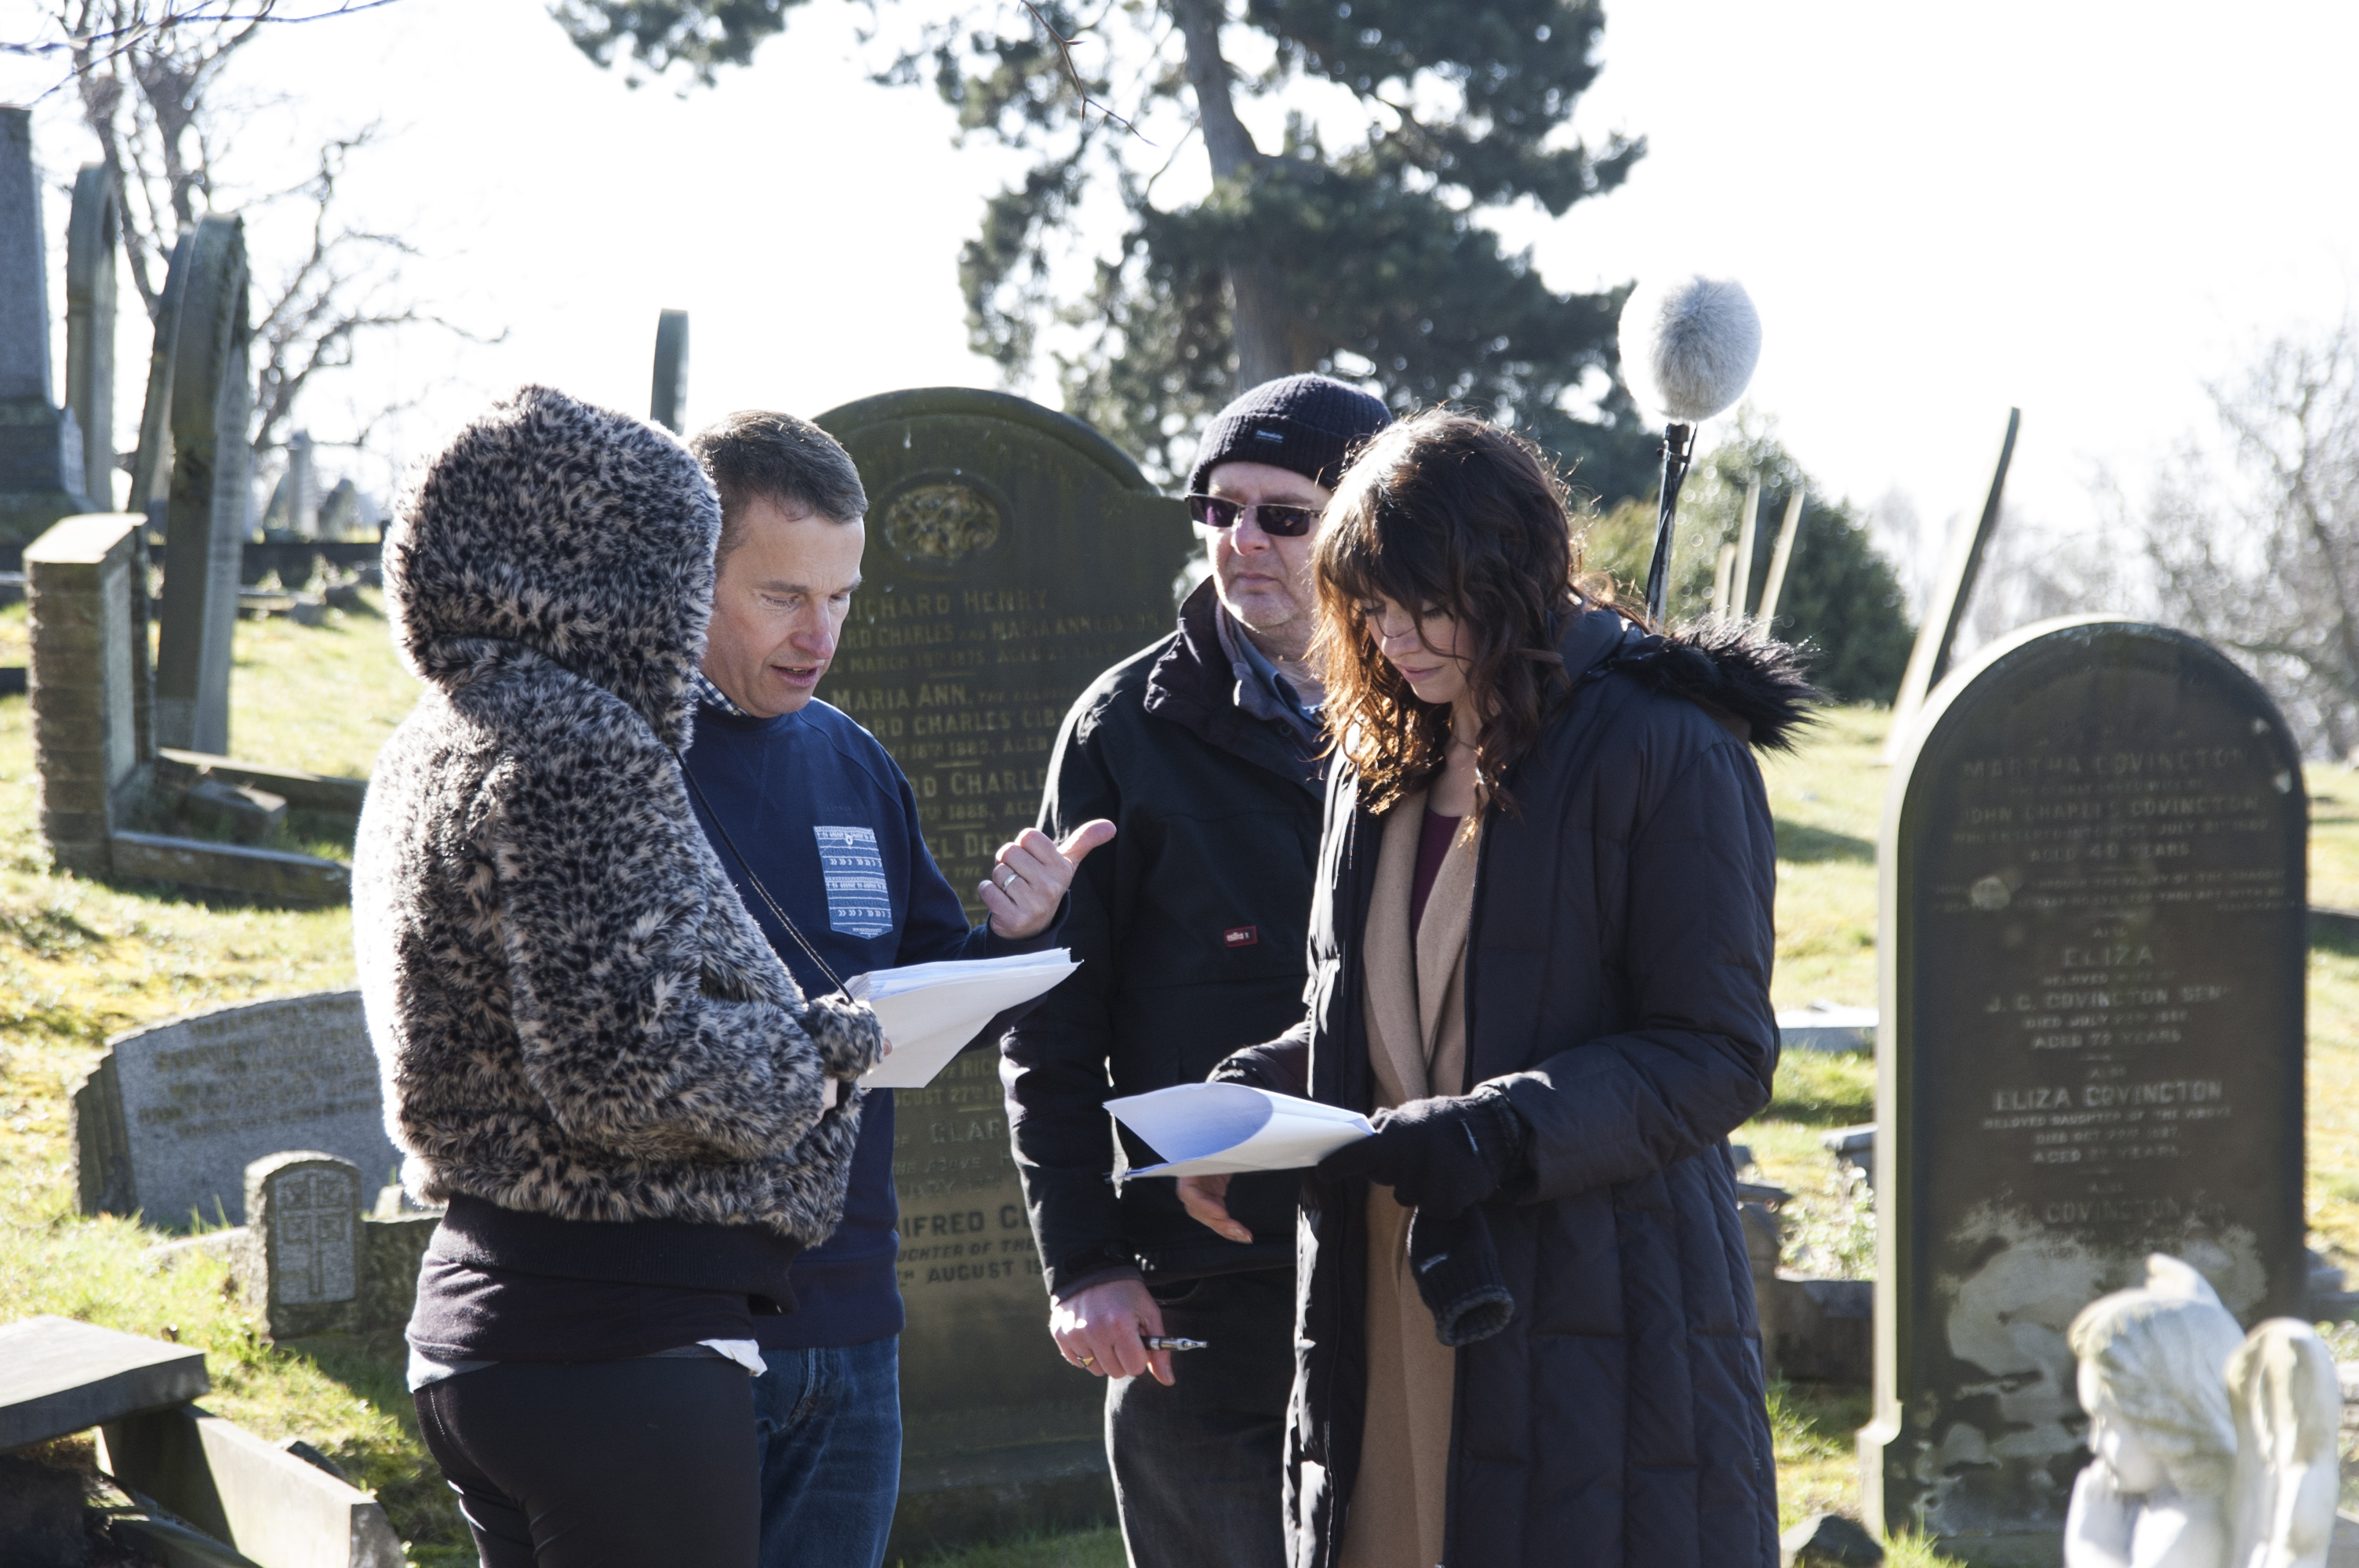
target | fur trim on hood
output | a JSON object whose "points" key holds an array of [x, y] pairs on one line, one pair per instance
{"points": [[583, 534], [1732, 669]]}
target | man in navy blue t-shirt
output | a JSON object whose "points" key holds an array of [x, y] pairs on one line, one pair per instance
{"points": [[799, 798]]}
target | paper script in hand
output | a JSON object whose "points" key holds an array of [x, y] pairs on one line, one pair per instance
{"points": [[931, 1010], [1206, 1130]]}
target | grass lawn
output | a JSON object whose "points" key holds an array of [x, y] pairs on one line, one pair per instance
{"points": [[80, 961]]}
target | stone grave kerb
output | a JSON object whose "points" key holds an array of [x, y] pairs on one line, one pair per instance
{"points": [[2084, 877], [92, 751]]}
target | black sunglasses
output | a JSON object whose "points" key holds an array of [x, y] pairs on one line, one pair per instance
{"points": [[1279, 522]]}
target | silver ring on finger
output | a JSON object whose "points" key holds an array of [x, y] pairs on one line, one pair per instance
{"points": [[1007, 877]]}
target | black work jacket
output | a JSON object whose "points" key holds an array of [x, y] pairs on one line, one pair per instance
{"points": [[1618, 988], [1190, 927]]}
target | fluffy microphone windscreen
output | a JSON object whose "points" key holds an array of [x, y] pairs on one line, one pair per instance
{"points": [[1689, 346]]}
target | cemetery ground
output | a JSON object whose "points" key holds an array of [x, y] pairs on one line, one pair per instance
{"points": [[80, 961]]}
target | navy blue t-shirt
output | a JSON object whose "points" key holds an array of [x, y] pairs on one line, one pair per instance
{"points": [[830, 826]]}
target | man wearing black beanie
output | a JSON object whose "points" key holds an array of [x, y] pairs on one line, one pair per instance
{"points": [[1206, 751]]}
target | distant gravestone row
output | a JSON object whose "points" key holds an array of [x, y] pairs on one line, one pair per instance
{"points": [[103, 710], [2092, 947]]}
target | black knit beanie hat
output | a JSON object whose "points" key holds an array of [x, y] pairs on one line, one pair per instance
{"points": [[1307, 423]]}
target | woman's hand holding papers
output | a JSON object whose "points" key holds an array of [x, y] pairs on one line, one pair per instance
{"points": [[830, 1094], [1206, 1199], [1028, 880]]}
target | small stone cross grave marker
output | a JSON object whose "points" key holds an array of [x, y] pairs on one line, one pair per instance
{"points": [[303, 1219]]}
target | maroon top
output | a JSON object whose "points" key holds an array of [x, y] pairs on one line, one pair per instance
{"points": [[1432, 849]]}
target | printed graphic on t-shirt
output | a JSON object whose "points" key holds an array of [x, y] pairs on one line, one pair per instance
{"points": [[857, 901]]}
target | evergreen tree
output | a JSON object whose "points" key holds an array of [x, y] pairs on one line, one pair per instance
{"points": [[1366, 260], [1841, 596]]}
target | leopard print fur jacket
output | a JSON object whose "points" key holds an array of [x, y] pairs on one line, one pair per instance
{"points": [[573, 1012]]}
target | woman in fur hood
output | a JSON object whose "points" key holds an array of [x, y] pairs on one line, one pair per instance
{"points": [[590, 1053], [1540, 946]]}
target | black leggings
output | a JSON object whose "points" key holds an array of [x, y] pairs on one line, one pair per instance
{"points": [[648, 1464]]}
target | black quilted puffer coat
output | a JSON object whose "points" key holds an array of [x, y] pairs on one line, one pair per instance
{"points": [[1618, 988]]}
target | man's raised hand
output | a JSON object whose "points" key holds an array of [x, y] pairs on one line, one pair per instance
{"points": [[1030, 876]]}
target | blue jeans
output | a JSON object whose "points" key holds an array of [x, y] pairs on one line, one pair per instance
{"points": [[829, 1422], [1198, 1466]]}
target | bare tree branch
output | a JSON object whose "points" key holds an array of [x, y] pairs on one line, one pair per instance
{"points": [[150, 77], [129, 31], [2261, 554], [1072, 73]]}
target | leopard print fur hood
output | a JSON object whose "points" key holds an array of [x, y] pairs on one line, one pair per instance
{"points": [[573, 1013]]}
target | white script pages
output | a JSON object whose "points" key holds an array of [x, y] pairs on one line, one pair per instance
{"points": [[1207, 1129], [931, 1010]]}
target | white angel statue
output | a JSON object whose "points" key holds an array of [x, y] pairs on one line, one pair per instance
{"points": [[2212, 1450]]}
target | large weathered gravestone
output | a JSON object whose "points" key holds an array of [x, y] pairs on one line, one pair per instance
{"points": [[1013, 555], [212, 402], [2092, 1049], [168, 1121], [40, 449]]}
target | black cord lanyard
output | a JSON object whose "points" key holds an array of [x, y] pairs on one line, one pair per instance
{"points": [[747, 866]]}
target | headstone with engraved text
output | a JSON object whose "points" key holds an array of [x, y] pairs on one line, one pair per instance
{"points": [[1013, 555], [2092, 951], [168, 1121]]}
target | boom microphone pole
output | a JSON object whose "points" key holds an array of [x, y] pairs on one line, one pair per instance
{"points": [[1689, 346]]}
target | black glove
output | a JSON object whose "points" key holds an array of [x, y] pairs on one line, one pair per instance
{"points": [[1444, 1154], [1457, 1271], [1247, 1067]]}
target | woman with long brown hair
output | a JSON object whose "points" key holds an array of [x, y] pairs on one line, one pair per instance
{"points": [[1542, 944]]}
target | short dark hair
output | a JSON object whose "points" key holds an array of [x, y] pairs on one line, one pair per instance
{"points": [[757, 455]]}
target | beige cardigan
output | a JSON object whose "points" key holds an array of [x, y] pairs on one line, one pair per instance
{"points": [[1415, 1007]]}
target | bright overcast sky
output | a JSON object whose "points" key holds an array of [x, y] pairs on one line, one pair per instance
{"points": [[2084, 210]]}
